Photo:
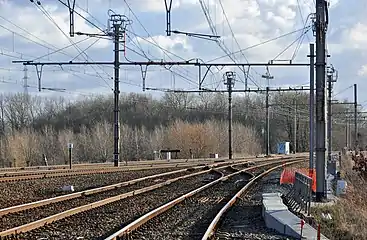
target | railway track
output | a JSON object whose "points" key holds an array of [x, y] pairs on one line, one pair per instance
{"points": [[22, 176], [30, 173], [188, 216], [108, 167], [108, 215], [40, 170], [241, 217], [20, 215], [110, 164], [15, 193], [244, 218], [40, 215]]}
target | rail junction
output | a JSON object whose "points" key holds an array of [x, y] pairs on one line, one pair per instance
{"points": [[201, 201]]}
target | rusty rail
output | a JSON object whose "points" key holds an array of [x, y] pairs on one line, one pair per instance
{"points": [[145, 218], [22, 207], [90, 166], [50, 219], [65, 173], [41, 175], [213, 225], [70, 212], [47, 201], [103, 167]]}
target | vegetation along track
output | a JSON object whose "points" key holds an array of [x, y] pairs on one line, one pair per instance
{"points": [[53, 208], [188, 216]]}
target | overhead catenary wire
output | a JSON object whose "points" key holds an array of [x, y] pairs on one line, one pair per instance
{"points": [[291, 44], [72, 71], [153, 41], [232, 33], [302, 17], [93, 43], [221, 44], [143, 55], [44, 43], [139, 42], [86, 57], [258, 44]]}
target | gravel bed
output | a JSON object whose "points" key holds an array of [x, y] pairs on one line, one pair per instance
{"points": [[15, 193], [244, 220], [19, 218], [191, 218], [100, 222]]}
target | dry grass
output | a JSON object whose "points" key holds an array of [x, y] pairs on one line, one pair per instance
{"points": [[350, 212]]}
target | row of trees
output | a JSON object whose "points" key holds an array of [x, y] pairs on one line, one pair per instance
{"points": [[26, 147], [32, 126]]}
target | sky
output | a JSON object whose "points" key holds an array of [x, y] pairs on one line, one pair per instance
{"points": [[38, 30]]}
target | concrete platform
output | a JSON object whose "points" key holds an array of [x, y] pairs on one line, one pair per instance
{"points": [[277, 216]]}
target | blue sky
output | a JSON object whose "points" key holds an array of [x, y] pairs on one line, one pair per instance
{"points": [[252, 22]]}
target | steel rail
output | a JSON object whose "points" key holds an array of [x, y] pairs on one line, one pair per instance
{"points": [[213, 225], [145, 218], [73, 211], [43, 202], [81, 166], [102, 171], [22, 207], [94, 171], [39, 171]]}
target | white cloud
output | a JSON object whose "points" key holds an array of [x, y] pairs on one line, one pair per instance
{"points": [[177, 44], [37, 24], [363, 71], [157, 6], [252, 21], [357, 35]]}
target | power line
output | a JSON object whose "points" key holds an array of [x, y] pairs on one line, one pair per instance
{"points": [[43, 10], [45, 44], [258, 44], [153, 41], [302, 18], [291, 44], [234, 37], [32, 57], [222, 45]]}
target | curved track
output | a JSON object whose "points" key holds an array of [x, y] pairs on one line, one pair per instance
{"points": [[90, 203], [110, 164], [15, 174], [106, 218], [188, 216], [20, 215], [244, 219], [15, 193], [244, 211], [42, 174], [98, 201]]}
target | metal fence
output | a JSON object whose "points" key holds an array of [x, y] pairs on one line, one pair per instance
{"points": [[299, 198]]}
